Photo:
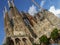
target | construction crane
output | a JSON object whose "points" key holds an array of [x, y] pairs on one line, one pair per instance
{"points": [[37, 5], [42, 9]]}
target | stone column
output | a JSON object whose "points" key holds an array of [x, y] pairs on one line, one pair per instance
{"points": [[14, 41]]}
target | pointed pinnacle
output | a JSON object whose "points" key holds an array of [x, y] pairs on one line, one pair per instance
{"points": [[12, 3], [9, 3], [5, 9]]}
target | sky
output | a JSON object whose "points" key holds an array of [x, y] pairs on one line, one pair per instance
{"points": [[28, 6]]}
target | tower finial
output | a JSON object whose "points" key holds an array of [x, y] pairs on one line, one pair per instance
{"points": [[5, 9], [3, 13], [12, 3], [9, 3]]}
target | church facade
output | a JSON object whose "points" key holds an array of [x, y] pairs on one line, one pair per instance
{"points": [[23, 29]]}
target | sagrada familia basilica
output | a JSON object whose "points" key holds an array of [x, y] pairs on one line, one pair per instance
{"points": [[23, 29]]}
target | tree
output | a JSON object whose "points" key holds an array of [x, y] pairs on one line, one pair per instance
{"points": [[54, 34], [44, 39]]}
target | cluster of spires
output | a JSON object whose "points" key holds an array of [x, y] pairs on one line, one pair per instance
{"points": [[10, 4], [13, 15], [18, 19]]}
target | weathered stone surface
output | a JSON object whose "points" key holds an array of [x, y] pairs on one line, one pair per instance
{"points": [[23, 26]]}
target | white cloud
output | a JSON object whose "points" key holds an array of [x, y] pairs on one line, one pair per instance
{"points": [[32, 10], [42, 3], [55, 11]]}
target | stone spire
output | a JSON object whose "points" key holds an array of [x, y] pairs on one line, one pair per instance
{"points": [[11, 3], [6, 17], [4, 11], [6, 14], [7, 24], [14, 10]]}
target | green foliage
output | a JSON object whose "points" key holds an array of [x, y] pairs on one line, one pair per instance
{"points": [[54, 34], [34, 44], [44, 39]]}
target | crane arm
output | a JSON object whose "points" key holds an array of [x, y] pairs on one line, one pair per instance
{"points": [[36, 4]]}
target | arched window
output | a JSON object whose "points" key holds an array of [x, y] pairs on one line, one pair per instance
{"points": [[17, 40], [24, 40], [9, 41]]}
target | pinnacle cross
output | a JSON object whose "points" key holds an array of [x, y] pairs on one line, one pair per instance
{"points": [[11, 3]]}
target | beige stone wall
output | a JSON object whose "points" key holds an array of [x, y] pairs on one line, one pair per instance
{"points": [[20, 30], [54, 19], [19, 40]]}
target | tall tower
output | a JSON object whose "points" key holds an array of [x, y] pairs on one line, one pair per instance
{"points": [[16, 31], [19, 25], [8, 26]]}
